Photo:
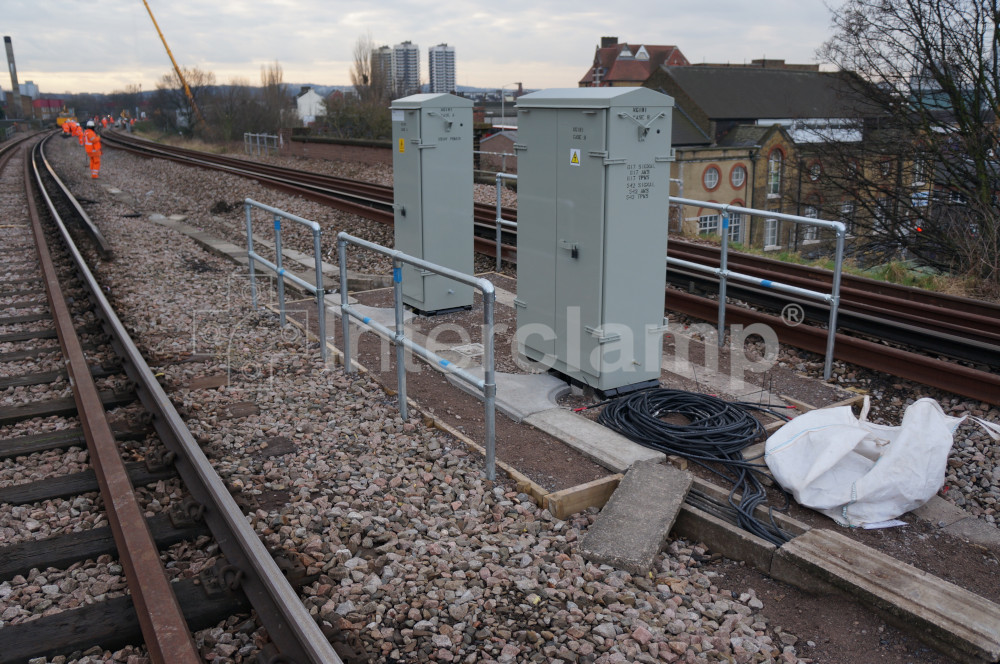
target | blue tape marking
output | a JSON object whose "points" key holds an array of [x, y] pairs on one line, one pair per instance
{"points": [[766, 284], [444, 363], [281, 272], [366, 320], [277, 225], [397, 274], [725, 222]]}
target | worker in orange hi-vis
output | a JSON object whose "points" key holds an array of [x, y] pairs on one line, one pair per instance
{"points": [[78, 132], [92, 143], [104, 122], [67, 129]]}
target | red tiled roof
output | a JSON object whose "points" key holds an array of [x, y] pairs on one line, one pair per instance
{"points": [[629, 69]]}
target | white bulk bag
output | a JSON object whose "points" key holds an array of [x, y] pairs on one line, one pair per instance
{"points": [[857, 472]]}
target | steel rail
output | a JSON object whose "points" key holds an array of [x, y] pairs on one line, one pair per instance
{"points": [[948, 376], [879, 361], [289, 625], [167, 637]]}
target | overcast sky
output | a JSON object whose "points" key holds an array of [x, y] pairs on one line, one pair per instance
{"points": [[83, 46]]}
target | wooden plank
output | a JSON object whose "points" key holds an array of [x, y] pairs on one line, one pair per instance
{"points": [[19, 355], [61, 439], [61, 551], [26, 318], [66, 406], [43, 377], [25, 304], [211, 382], [77, 483], [567, 502], [111, 624], [956, 621], [49, 333]]}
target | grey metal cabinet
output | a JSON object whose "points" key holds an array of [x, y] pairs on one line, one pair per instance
{"points": [[593, 187], [432, 192]]}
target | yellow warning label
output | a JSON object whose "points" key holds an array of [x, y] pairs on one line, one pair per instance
{"points": [[574, 156], [402, 145]]}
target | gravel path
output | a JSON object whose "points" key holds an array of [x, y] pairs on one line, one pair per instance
{"points": [[415, 550]]}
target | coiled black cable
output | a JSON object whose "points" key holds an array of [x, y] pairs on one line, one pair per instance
{"points": [[714, 437]]}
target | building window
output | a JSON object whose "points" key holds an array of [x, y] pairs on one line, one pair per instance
{"points": [[885, 168], [774, 173], [770, 233], [738, 176], [711, 178], [815, 170], [847, 216], [708, 224], [735, 226], [881, 215], [919, 172], [810, 233]]}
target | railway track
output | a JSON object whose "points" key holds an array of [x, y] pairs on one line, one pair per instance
{"points": [[892, 319], [57, 399]]}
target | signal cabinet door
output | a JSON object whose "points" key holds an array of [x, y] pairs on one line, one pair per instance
{"points": [[579, 252], [408, 229], [635, 240], [536, 232]]}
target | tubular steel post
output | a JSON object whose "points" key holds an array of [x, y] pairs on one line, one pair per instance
{"points": [[281, 270], [250, 255], [834, 303], [345, 319], [320, 293], [723, 262], [486, 385], [499, 219], [490, 386], [397, 293]]}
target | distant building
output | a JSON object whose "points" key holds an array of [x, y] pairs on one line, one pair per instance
{"points": [[46, 109], [29, 89], [628, 65], [382, 66], [308, 105], [497, 152], [406, 68], [441, 65]]}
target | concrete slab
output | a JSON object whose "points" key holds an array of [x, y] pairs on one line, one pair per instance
{"points": [[520, 395], [632, 527], [951, 619], [612, 450]]}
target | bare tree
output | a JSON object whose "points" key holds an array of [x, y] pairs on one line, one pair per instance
{"points": [[928, 87], [234, 111], [370, 75], [174, 110], [275, 103]]}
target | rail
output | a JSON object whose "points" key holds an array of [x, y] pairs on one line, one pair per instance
{"points": [[501, 222], [724, 274], [486, 384], [290, 626], [252, 143], [249, 204], [503, 157]]}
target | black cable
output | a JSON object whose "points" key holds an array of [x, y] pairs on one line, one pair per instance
{"points": [[716, 433]]}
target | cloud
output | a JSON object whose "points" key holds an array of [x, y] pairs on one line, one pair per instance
{"points": [[82, 47]]}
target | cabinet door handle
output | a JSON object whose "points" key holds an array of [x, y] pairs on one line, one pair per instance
{"points": [[571, 247]]}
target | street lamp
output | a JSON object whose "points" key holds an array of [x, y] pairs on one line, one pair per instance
{"points": [[503, 99]]}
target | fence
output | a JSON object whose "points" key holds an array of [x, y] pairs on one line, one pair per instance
{"points": [[281, 272], [724, 274], [256, 144], [486, 385]]}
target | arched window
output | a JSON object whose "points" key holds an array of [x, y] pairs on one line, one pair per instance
{"points": [[774, 173]]}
